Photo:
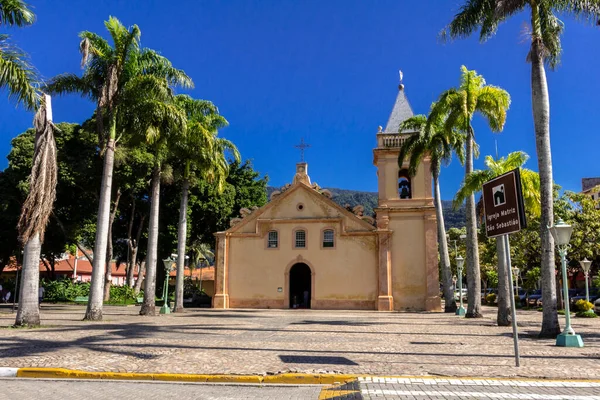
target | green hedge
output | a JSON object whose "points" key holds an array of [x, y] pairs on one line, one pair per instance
{"points": [[65, 290]]}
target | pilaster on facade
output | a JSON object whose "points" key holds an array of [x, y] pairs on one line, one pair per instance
{"points": [[433, 302], [221, 297]]}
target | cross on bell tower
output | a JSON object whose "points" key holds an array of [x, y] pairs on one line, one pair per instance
{"points": [[302, 146]]}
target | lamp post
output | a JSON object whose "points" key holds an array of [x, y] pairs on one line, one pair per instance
{"points": [[586, 264], [515, 272], [561, 233], [168, 263], [459, 266]]}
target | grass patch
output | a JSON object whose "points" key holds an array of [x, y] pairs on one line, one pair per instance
{"points": [[586, 314]]}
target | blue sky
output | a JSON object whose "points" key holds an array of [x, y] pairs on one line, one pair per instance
{"points": [[328, 71]]}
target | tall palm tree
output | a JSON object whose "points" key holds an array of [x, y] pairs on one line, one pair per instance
{"points": [[546, 28], [530, 182], [108, 69], [36, 212], [204, 156], [150, 114], [434, 142], [17, 75], [20, 78], [458, 106]]}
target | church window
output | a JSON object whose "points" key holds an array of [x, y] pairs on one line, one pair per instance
{"points": [[328, 240], [273, 240], [300, 239], [404, 187]]}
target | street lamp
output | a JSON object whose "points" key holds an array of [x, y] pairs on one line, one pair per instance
{"points": [[168, 263], [561, 233], [459, 266], [515, 272], [586, 264]]}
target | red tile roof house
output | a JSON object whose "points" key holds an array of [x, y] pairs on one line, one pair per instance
{"points": [[80, 269]]}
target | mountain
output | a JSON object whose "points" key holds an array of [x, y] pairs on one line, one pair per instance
{"points": [[452, 218]]}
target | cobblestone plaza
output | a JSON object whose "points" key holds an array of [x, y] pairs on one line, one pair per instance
{"points": [[206, 341]]}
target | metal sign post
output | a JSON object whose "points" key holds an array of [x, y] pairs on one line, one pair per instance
{"points": [[505, 214], [513, 307]]}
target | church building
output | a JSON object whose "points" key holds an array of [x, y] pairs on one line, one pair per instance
{"points": [[302, 250]]}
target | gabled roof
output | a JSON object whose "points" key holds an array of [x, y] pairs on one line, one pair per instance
{"points": [[401, 112], [295, 187]]}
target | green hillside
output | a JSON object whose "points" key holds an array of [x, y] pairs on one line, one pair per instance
{"points": [[452, 218]]}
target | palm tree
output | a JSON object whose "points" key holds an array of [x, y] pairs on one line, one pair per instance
{"points": [[204, 156], [19, 77], [457, 106], [150, 114], [530, 182], [16, 74], [434, 142], [36, 212], [108, 69], [546, 29], [201, 253]]}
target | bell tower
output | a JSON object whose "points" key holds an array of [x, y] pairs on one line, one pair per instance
{"points": [[408, 260]]}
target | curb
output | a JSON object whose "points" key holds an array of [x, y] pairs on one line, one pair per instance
{"points": [[287, 378]]}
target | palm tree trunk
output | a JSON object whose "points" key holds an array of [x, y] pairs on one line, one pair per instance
{"points": [[94, 307], [134, 252], [29, 312], [450, 304], [541, 121], [148, 307], [140, 278], [473, 274], [504, 311], [181, 240], [109, 248]]}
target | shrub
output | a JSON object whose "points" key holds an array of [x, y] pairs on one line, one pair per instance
{"points": [[64, 290], [123, 295], [490, 298], [582, 305], [517, 301]]}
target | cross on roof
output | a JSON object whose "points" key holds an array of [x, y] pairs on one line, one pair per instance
{"points": [[302, 146]]}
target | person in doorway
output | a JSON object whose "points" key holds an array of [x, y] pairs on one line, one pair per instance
{"points": [[305, 298]]}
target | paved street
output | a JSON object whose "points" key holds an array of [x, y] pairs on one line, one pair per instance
{"points": [[369, 388], [19, 389], [206, 341]]}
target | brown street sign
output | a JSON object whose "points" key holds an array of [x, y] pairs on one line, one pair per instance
{"points": [[503, 205]]}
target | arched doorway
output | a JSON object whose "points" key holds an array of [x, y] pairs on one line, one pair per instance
{"points": [[300, 285]]}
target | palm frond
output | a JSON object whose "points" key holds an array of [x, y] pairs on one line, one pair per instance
{"points": [[551, 29], [15, 13], [153, 63], [70, 83], [42, 181], [17, 75], [471, 184], [586, 10]]}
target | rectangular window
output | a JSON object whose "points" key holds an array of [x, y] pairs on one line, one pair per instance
{"points": [[273, 240], [300, 239], [328, 238]]}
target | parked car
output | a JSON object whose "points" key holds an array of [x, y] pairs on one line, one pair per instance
{"points": [[464, 295], [594, 295], [535, 299]]}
